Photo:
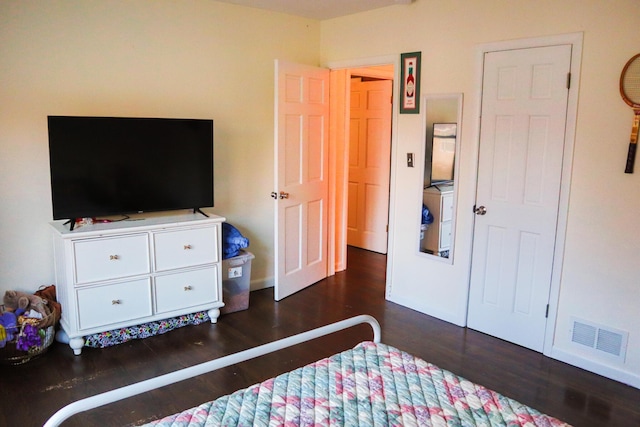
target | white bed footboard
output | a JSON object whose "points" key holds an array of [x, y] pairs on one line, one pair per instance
{"points": [[203, 368]]}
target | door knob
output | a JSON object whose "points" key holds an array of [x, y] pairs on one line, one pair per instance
{"points": [[274, 195], [480, 210], [284, 195]]}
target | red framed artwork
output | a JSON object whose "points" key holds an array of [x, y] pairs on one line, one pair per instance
{"points": [[410, 83]]}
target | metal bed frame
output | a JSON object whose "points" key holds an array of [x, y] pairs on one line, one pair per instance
{"points": [[203, 368]]}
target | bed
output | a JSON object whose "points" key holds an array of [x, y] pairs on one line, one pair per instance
{"points": [[372, 384]]}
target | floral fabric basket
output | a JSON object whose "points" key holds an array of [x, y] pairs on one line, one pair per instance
{"points": [[27, 345]]}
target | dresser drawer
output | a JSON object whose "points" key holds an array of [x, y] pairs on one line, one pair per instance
{"points": [[445, 235], [111, 258], [186, 289], [447, 207], [110, 304], [185, 248]]}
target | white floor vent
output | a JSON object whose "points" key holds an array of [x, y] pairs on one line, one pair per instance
{"points": [[601, 339]]}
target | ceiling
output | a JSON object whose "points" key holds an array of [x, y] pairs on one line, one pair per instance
{"points": [[318, 9]]}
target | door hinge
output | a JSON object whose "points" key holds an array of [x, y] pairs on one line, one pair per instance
{"points": [[568, 80], [546, 314]]}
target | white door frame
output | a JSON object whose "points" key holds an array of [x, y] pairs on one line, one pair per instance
{"points": [[360, 63], [575, 40]]}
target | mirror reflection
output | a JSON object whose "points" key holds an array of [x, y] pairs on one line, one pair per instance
{"points": [[442, 127]]}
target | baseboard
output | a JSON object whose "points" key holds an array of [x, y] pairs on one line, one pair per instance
{"points": [[428, 310], [606, 371], [263, 283]]}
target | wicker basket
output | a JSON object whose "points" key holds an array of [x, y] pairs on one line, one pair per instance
{"points": [[10, 355]]}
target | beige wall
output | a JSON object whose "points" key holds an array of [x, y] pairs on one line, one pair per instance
{"points": [[599, 279], [158, 58], [206, 59]]}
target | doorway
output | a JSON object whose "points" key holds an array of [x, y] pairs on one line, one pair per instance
{"points": [[343, 155], [369, 163], [330, 209]]}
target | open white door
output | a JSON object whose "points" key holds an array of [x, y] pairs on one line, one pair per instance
{"points": [[301, 176], [522, 140]]}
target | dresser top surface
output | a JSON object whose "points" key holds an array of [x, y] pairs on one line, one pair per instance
{"points": [[137, 222]]}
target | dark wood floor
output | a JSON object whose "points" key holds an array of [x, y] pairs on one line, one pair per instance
{"points": [[30, 393]]}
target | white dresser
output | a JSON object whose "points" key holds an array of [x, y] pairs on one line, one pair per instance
{"points": [[119, 274], [437, 237]]}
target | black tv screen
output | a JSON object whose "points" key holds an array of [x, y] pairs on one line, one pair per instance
{"points": [[104, 166]]}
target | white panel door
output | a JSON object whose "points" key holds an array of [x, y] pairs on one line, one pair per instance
{"points": [[369, 164], [524, 104], [301, 173]]}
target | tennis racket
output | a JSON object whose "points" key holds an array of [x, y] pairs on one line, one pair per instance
{"points": [[630, 92]]}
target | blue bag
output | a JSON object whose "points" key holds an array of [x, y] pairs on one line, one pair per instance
{"points": [[427, 217], [232, 241]]}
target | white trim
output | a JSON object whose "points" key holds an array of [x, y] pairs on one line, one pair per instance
{"points": [[606, 371], [425, 308], [575, 40], [366, 62], [263, 283], [525, 43]]}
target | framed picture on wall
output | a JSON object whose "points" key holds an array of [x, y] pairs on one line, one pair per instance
{"points": [[410, 83]]}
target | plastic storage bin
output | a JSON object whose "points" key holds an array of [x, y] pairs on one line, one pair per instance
{"points": [[236, 275]]}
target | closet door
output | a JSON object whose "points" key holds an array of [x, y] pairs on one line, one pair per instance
{"points": [[523, 121]]}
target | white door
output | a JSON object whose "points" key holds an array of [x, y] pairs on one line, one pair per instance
{"points": [[524, 106], [369, 164], [301, 151]]}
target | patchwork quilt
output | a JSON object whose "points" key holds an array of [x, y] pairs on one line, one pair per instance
{"points": [[370, 385]]}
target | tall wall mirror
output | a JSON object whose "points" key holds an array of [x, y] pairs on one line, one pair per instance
{"points": [[443, 121]]}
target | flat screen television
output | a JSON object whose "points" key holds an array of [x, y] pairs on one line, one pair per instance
{"points": [[443, 152], [105, 166]]}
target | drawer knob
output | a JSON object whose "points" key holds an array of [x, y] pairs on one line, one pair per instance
{"points": [[116, 302], [188, 288], [113, 257], [187, 247]]}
